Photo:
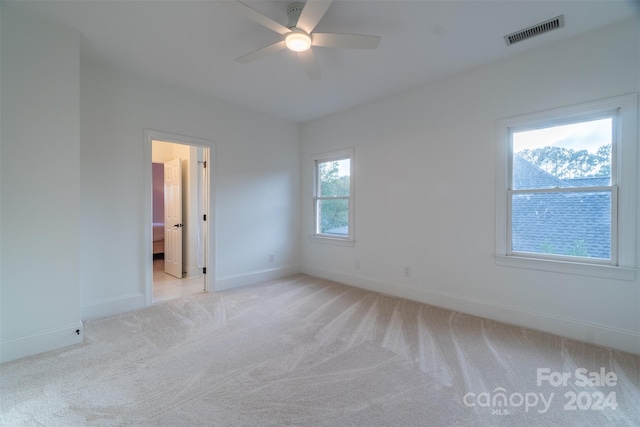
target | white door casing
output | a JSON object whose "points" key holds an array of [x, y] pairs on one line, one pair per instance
{"points": [[173, 217], [146, 219]]}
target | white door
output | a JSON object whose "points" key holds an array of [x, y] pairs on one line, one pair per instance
{"points": [[173, 217]]}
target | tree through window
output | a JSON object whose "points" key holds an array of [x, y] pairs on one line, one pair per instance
{"points": [[333, 196], [566, 189], [562, 189]]}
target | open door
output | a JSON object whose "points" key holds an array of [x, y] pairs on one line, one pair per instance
{"points": [[189, 251], [173, 217]]}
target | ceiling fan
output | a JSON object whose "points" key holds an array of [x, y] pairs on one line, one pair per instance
{"points": [[298, 35]]}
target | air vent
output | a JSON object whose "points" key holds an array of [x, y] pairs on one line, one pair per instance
{"points": [[527, 33]]}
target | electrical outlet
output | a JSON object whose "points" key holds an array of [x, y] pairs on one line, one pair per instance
{"points": [[356, 263], [272, 258], [407, 272]]}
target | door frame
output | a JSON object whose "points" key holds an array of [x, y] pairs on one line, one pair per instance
{"points": [[209, 206]]}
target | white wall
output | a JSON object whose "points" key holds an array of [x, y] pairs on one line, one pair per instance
{"points": [[1, 8], [257, 192], [165, 151], [40, 186], [425, 192]]}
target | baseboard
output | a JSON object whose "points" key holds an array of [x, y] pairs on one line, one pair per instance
{"points": [[616, 338], [192, 273], [51, 339], [112, 306], [251, 278]]}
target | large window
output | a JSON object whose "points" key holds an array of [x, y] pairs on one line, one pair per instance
{"points": [[566, 191], [563, 191], [333, 196]]}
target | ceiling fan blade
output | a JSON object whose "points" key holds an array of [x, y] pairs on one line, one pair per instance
{"points": [[258, 17], [256, 54], [345, 41], [310, 65], [312, 13]]}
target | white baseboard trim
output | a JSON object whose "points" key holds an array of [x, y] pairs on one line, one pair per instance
{"points": [[50, 339], [193, 273], [616, 338], [253, 277], [112, 306]]}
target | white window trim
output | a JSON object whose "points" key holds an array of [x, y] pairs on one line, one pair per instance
{"points": [[627, 126], [326, 157]]}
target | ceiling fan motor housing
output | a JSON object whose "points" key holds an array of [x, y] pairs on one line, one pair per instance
{"points": [[293, 13]]}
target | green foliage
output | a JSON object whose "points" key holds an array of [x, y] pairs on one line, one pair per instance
{"points": [[331, 183], [578, 249], [565, 163], [334, 216], [547, 247]]}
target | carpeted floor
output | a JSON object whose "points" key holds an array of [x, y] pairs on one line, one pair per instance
{"points": [[309, 352]]}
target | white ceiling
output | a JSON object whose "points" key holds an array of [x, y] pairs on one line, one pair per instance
{"points": [[193, 44]]}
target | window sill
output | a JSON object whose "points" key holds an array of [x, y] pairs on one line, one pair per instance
{"points": [[566, 267], [336, 241]]}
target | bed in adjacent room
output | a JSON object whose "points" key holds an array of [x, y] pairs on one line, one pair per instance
{"points": [[158, 238]]}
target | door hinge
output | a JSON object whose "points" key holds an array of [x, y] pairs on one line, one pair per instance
{"points": [[204, 164], [204, 217], [204, 270]]}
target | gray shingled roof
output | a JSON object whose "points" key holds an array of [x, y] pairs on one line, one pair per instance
{"points": [[526, 175], [559, 223], [341, 231], [597, 181]]}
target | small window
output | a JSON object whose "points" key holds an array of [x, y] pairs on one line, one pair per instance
{"points": [[566, 189], [333, 196]]}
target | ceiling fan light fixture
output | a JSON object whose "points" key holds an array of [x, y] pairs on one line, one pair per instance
{"points": [[298, 41]]}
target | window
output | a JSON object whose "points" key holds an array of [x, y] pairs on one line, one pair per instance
{"points": [[566, 193], [333, 196], [562, 195]]}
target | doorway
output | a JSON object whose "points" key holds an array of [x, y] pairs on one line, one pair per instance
{"points": [[179, 231]]}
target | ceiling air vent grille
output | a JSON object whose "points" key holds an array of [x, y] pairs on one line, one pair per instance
{"points": [[543, 27]]}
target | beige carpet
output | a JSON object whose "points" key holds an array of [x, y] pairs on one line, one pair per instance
{"points": [[304, 351]]}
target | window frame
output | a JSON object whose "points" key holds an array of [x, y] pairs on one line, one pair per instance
{"points": [[623, 188], [318, 159]]}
